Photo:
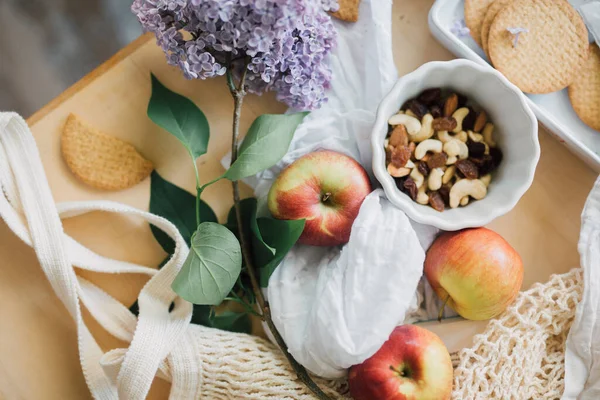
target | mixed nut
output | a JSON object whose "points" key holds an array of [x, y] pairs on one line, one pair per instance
{"points": [[440, 149]]}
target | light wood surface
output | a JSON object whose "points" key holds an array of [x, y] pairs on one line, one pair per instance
{"points": [[38, 348]]}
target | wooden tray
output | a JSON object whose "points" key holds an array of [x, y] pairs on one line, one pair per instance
{"points": [[38, 348]]}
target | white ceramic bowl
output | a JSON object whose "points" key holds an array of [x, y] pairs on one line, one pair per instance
{"points": [[515, 132]]}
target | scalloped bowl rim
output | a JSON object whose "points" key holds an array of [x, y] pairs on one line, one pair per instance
{"points": [[414, 210]]}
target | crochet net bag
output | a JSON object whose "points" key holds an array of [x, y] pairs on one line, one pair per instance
{"points": [[521, 354]]}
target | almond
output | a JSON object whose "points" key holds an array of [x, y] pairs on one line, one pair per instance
{"points": [[480, 121], [451, 105], [399, 136]]}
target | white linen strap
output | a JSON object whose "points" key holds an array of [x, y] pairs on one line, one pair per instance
{"points": [[27, 207]]}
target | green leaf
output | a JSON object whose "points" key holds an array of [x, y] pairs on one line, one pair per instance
{"points": [[277, 234], [212, 266], [248, 209], [271, 239], [232, 321], [201, 315], [179, 207], [266, 142], [179, 116]]}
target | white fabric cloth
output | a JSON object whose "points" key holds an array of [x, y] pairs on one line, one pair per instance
{"points": [[582, 358], [322, 299]]}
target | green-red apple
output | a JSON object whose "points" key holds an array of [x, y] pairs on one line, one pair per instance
{"points": [[475, 270], [324, 187], [413, 364]]}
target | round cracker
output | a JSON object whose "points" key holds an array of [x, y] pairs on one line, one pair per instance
{"points": [[548, 57], [490, 15], [474, 15], [584, 92], [100, 160]]}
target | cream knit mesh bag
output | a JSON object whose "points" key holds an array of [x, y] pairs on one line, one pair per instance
{"points": [[520, 355]]}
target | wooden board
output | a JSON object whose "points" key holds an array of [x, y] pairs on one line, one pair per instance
{"points": [[38, 349]]}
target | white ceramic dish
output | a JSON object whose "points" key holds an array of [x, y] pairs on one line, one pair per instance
{"points": [[553, 110], [516, 135]]}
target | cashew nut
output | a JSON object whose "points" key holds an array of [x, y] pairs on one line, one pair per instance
{"points": [[428, 145], [397, 172], [486, 179], [462, 136], [451, 160], [464, 201], [487, 133], [444, 136], [411, 124], [417, 177], [435, 179], [449, 174], [456, 148], [459, 115], [410, 113], [409, 164], [475, 137], [422, 197], [426, 130], [467, 187]]}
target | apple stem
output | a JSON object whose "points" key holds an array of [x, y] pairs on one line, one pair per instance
{"points": [[238, 94], [326, 196], [441, 313]]}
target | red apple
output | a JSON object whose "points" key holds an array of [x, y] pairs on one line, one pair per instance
{"points": [[326, 188], [413, 364], [476, 270]]}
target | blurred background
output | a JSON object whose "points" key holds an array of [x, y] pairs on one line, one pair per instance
{"points": [[47, 45]]}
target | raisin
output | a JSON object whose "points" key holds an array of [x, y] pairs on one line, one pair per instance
{"points": [[406, 104], [444, 124], [444, 192], [418, 108], [399, 136], [437, 160], [400, 182], [497, 156], [400, 156], [423, 168], [484, 163], [468, 169], [462, 100], [436, 201], [469, 121], [410, 188], [435, 111], [430, 96], [476, 149]]}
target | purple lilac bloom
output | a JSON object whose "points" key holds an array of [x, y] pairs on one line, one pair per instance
{"points": [[287, 42]]}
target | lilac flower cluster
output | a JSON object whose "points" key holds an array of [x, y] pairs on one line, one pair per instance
{"points": [[286, 43]]}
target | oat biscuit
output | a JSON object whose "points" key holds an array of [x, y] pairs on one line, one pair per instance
{"points": [[100, 160], [584, 92], [490, 15], [474, 14], [348, 10], [549, 55]]}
